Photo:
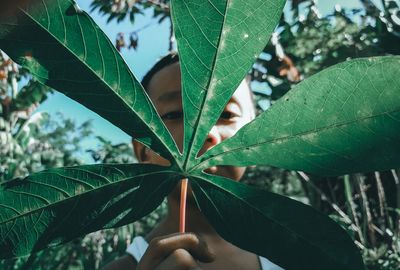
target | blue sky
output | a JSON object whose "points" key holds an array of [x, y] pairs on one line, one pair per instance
{"points": [[153, 43]]}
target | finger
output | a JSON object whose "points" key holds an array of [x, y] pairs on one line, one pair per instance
{"points": [[179, 259], [189, 241], [161, 247]]}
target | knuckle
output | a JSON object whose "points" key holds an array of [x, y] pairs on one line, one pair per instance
{"points": [[183, 258], [193, 238], [156, 243], [180, 252]]}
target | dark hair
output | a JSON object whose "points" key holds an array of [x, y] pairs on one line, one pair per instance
{"points": [[165, 61]]}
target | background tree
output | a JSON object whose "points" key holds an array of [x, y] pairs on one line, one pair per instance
{"points": [[32, 141], [120, 10]]}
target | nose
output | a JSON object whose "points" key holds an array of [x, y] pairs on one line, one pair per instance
{"points": [[213, 138]]}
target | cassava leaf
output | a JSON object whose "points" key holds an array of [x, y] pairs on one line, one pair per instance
{"points": [[289, 233], [64, 49], [58, 205], [342, 120], [218, 42]]}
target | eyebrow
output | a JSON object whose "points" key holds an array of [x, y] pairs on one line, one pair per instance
{"points": [[170, 96]]}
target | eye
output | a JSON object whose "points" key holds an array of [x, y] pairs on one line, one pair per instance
{"points": [[174, 115], [227, 115], [231, 112]]}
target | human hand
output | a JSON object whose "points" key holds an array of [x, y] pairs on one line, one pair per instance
{"points": [[179, 251]]}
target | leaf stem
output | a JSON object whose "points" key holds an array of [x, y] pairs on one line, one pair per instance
{"points": [[368, 223], [397, 182], [182, 210], [382, 202], [349, 197], [324, 197]]}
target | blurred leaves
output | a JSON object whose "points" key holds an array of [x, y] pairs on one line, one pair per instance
{"points": [[108, 152], [314, 42], [30, 95], [119, 10], [32, 141]]}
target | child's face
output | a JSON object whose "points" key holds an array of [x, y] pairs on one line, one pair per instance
{"points": [[165, 92]]}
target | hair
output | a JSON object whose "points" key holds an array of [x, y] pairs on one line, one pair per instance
{"points": [[165, 61]]}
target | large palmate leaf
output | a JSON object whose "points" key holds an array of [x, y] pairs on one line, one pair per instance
{"points": [[64, 49], [218, 42], [57, 205], [287, 232], [344, 119]]}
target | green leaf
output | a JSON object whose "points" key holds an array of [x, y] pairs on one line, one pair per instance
{"points": [[287, 232], [31, 94], [64, 49], [58, 205], [218, 42], [342, 120]]}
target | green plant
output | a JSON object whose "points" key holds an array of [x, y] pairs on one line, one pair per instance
{"points": [[323, 126]]}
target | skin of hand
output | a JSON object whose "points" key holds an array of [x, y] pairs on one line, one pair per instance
{"points": [[175, 252], [186, 251]]}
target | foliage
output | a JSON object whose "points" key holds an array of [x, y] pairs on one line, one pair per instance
{"points": [[122, 9], [312, 43], [215, 57], [308, 43], [119, 10], [112, 153], [32, 142]]}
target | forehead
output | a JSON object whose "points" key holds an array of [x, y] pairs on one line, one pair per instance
{"points": [[165, 82], [165, 86]]}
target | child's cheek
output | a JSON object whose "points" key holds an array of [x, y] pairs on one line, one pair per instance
{"points": [[232, 172], [176, 130], [227, 131], [157, 160]]}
